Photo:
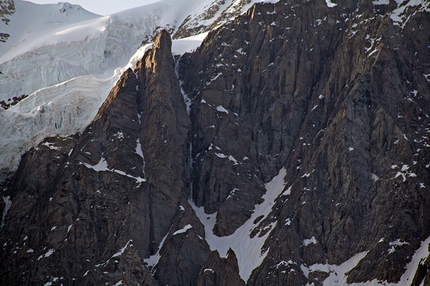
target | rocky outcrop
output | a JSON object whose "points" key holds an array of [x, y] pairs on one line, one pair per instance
{"points": [[421, 275], [184, 250], [220, 271], [7, 8], [336, 97]]}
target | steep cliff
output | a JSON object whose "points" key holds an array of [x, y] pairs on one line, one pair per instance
{"points": [[110, 194], [290, 148], [339, 97]]}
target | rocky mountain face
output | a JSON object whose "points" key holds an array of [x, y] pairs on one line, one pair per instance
{"points": [[64, 60], [333, 100], [7, 8]]}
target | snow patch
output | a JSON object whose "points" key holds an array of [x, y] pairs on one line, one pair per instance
{"points": [[140, 153], [287, 192], [221, 155], [232, 193], [308, 241], [221, 108], [240, 51], [51, 146], [183, 230], [47, 254], [139, 148], [187, 45], [153, 259], [394, 244], [248, 250], [118, 254], [224, 156], [122, 250], [7, 204], [99, 167], [103, 166], [119, 135], [330, 4], [214, 78], [232, 159], [381, 2], [404, 173]]}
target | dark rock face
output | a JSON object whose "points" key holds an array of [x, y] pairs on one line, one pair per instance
{"points": [[220, 271], [339, 108], [7, 8], [339, 97], [111, 194]]}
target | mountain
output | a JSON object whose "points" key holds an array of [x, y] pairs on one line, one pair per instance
{"points": [[74, 57], [289, 148]]}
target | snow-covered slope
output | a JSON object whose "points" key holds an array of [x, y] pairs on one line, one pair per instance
{"points": [[66, 60], [32, 26]]}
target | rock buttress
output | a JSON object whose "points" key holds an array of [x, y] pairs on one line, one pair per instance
{"points": [[91, 207]]}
